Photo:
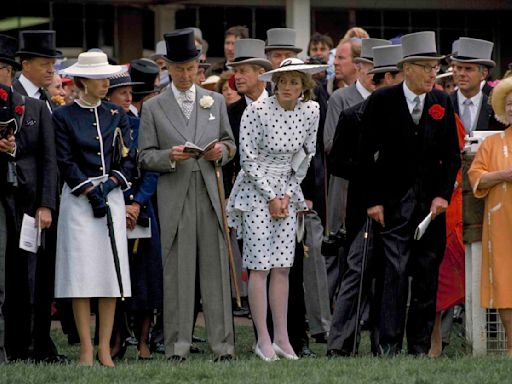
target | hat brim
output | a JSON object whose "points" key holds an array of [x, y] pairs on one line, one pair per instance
{"points": [[146, 92], [54, 55], [128, 83], [487, 63], [498, 96], [391, 68], [305, 68], [443, 75], [290, 48], [417, 58], [188, 60], [362, 60], [95, 73], [13, 63], [254, 61]]}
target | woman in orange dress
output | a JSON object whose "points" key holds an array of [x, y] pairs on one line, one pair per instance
{"points": [[490, 176]]}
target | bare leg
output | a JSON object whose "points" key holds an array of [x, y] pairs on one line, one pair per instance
{"points": [[436, 347], [278, 294], [506, 319], [143, 346], [82, 314], [106, 309], [258, 302]]}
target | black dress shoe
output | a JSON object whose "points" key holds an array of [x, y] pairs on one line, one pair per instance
{"points": [[241, 312], [177, 359], [332, 353], [197, 339], [223, 358], [54, 359], [157, 348], [306, 352], [195, 349]]}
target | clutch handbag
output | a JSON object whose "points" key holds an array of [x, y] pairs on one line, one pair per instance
{"points": [[300, 162]]}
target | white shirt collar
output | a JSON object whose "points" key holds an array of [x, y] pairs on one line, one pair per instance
{"points": [[134, 110], [30, 87], [362, 90], [410, 96], [263, 95], [177, 93], [475, 99]]}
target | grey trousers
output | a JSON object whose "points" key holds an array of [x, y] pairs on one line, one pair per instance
{"points": [[198, 251], [316, 293], [3, 245]]}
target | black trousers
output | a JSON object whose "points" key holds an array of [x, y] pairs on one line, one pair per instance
{"points": [[344, 320], [28, 297], [401, 257]]}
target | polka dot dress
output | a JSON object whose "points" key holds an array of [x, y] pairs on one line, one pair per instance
{"points": [[269, 138]]}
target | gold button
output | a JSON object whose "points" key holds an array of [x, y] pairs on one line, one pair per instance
{"points": [[98, 153], [97, 137], [94, 124], [101, 168]]}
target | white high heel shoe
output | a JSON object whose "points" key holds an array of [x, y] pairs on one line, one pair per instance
{"points": [[260, 354], [279, 352]]}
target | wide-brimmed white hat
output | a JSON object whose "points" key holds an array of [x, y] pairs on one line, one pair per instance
{"points": [[92, 65], [294, 64]]}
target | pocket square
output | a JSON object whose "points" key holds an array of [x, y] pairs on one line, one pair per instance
{"points": [[211, 117], [30, 123]]}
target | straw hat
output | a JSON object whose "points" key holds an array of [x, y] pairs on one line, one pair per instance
{"points": [[92, 65], [294, 64], [499, 94]]}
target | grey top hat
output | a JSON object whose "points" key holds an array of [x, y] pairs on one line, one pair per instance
{"points": [[386, 58], [281, 38], [250, 51], [366, 49], [455, 47], [419, 46], [474, 51]]}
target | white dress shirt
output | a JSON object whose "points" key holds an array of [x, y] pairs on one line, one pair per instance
{"points": [[263, 95], [30, 87], [473, 108], [362, 90], [410, 96]]}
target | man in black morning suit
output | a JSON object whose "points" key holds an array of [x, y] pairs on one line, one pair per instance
{"points": [[30, 279], [343, 162], [410, 158]]}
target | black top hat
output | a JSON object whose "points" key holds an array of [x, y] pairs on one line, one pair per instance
{"points": [[8, 51], [38, 44], [144, 72], [181, 46]]}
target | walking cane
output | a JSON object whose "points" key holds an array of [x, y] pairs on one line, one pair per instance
{"points": [[111, 234], [232, 268], [367, 229]]}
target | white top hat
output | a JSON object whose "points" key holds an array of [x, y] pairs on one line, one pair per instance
{"points": [[474, 51], [293, 64], [92, 65]]}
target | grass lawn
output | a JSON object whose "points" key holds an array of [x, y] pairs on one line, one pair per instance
{"points": [[457, 367]]}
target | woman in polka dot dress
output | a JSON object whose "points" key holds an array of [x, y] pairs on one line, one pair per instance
{"points": [[277, 140]]}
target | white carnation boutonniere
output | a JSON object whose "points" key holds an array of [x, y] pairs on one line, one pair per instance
{"points": [[206, 102]]}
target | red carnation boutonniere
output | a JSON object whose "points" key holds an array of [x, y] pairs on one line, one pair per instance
{"points": [[19, 109], [3, 94], [436, 111]]}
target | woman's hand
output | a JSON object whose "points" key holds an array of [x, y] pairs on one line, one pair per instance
{"points": [[275, 207], [285, 202], [132, 215]]}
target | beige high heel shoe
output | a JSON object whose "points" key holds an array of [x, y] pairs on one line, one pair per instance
{"points": [[279, 352]]}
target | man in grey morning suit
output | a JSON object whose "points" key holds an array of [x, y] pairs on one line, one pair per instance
{"points": [[337, 194], [188, 201]]}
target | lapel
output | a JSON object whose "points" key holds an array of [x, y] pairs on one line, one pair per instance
{"points": [[354, 97], [18, 99], [18, 87], [202, 115], [404, 107], [455, 102], [172, 111], [484, 114]]}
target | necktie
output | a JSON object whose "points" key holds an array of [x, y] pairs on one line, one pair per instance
{"points": [[187, 103], [416, 111], [42, 94], [466, 115]]}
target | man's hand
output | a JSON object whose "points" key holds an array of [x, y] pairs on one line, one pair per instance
{"points": [[132, 215], [44, 217], [177, 153], [439, 205], [8, 145], [214, 153], [377, 214]]}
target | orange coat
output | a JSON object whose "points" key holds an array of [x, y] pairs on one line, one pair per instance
{"points": [[495, 154]]}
